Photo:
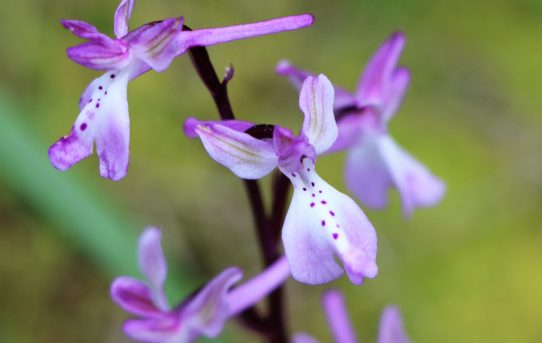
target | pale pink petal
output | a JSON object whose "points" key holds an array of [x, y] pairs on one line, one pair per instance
{"points": [[157, 44], [322, 222], [134, 296], [113, 136], [99, 57], [122, 16], [103, 119], [391, 327], [367, 175], [246, 156], [153, 264], [316, 102], [374, 83], [207, 312], [417, 186], [398, 86]]}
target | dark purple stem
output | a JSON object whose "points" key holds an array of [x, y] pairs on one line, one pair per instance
{"points": [[202, 63], [275, 325], [281, 190]]}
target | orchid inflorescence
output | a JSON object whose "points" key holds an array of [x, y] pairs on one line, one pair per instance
{"points": [[324, 232]]}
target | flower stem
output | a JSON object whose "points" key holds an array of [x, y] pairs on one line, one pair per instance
{"points": [[281, 190], [265, 228], [202, 63]]}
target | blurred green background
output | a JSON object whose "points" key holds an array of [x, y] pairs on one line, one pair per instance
{"points": [[468, 270]]}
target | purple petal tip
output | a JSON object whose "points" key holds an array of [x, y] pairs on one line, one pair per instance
{"points": [[397, 39], [282, 67], [308, 18], [189, 127], [67, 151], [398, 35]]}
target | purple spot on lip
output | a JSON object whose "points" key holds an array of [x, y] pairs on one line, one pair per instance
{"points": [[83, 126], [293, 175], [304, 189], [332, 213], [323, 202], [323, 223], [313, 195], [312, 204], [335, 235], [312, 184], [308, 169], [97, 105], [100, 88], [320, 191], [112, 76], [89, 100]]}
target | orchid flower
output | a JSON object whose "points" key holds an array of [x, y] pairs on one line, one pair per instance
{"points": [[321, 222], [203, 314], [103, 117], [375, 162], [391, 324]]}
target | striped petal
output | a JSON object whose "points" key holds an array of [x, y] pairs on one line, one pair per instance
{"points": [[157, 44], [134, 296], [122, 16], [207, 312], [316, 102], [97, 56], [90, 32], [246, 156]]}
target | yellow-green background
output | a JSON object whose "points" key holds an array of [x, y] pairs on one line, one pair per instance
{"points": [[468, 270]]}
